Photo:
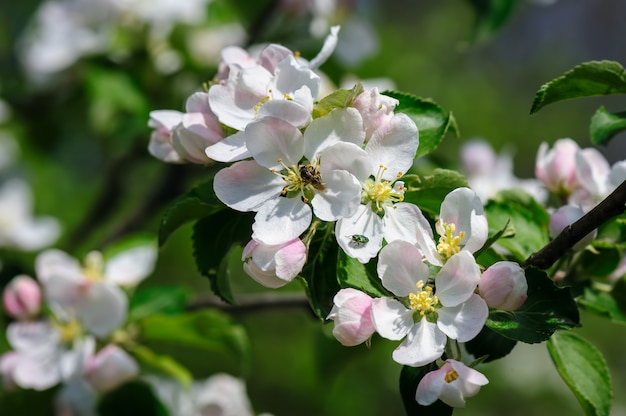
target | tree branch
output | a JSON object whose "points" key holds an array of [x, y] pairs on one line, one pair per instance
{"points": [[612, 206], [255, 303]]}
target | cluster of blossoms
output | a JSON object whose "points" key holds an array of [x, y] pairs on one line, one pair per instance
{"points": [[68, 325], [297, 163]]}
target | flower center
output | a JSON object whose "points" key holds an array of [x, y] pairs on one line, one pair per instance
{"points": [[451, 376], [94, 267], [301, 180], [423, 301], [380, 192], [68, 330], [449, 244]]}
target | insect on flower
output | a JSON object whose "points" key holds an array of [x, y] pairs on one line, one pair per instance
{"points": [[358, 240]]}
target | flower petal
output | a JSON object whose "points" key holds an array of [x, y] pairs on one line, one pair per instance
{"points": [[103, 309], [457, 279], [463, 322], [280, 220], [231, 149], [365, 223], [393, 145], [271, 139], [463, 208], [400, 267], [423, 344], [391, 318], [340, 125], [340, 198]]}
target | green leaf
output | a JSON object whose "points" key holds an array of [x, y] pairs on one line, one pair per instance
{"points": [[409, 379], [584, 370], [213, 237], [341, 98], [431, 120], [587, 79], [319, 274], [506, 232], [529, 220], [603, 304], [163, 363], [491, 15], [131, 399], [198, 203], [491, 344], [599, 262], [605, 125], [547, 309], [427, 192], [206, 332], [352, 273], [158, 299]]}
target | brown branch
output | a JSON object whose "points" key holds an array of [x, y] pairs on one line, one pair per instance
{"points": [[610, 207], [255, 303]]}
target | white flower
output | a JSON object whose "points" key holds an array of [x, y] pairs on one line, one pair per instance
{"points": [[164, 122], [279, 184], [422, 316], [556, 168], [452, 383], [18, 228], [596, 178], [274, 266]]}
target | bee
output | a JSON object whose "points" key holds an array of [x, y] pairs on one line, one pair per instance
{"points": [[311, 176], [358, 240]]}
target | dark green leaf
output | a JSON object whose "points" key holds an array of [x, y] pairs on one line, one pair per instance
{"points": [[427, 192], [528, 218], [131, 399], [605, 125], [587, 79], [491, 15], [341, 98], [547, 309], [599, 262], [584, 370], [491, 344], [163, 363], [158, 299], [409, 379], [352, 273], [432, 121], [603, 304], [213, 238], [319, 274], [198, 203]]}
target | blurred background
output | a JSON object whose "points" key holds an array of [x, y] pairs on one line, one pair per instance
{"points": [[78, 79]]}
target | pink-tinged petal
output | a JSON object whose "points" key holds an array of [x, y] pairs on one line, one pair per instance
{"points": [[233, 108], [272, 55], [463, 208], [470, 378], [111, 367], [352, 317], [340, 198], [503, 286], [231, 149], [32, 337], [38, 372], [393, 145], [346, 156], [281, 220], [400, 267], [556, 168], [161, 148], [267, 278], [165, 120], [291, 76], [103, 309], [463, 322], [340, 125], [198, 102], [423, 344], [465, 383], [36, 233], [274, 266], [616, 176], [56, 262], [290, 111], [457, 279], [592, 171], [365, 223], [290, 260], [330, 43], [430, 386], [22, 297], [131, 266], [270, 139], [64, 295], [391, 318], [190, 145], [246, 185]]}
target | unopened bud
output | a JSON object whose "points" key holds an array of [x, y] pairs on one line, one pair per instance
{"points": [[352, 316], [22, 298], [503, 286]]}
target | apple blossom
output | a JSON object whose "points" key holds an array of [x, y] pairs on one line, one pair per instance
{"points": [[18, 228], [452, 384], [425, 317], [21, 298], [565, 216], [503, 286], [375, 108], [351, 314], [291, 170], [556, 168], [596, 178], [274, 266], [164, 122]]}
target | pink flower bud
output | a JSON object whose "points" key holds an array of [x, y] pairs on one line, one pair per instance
{"points": [[352, 316], [479, 158], [567, 215], [111, 367], [503, 286], [556, 168], [274, 266], [22, 298], [376, 110], [164, 122]]}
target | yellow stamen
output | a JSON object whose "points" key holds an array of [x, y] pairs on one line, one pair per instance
{"points": [[451, 376], [449, 244], [423, 300]]}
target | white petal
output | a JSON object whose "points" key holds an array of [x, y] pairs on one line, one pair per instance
{"points": [[366, 223], [296, 113], [400, 267], [271, 139], [103, 309], [592, 169], [167, 119], [340, 198], [32, 337], [281, 220], [246, 185], [391, 318], [340, 125], [231, 149], [463, 208], [346, 156], [233, 108], [423, 344], [130, 267], [457, 279], [36, 233], [330, 43], [291, 76], [393, 145], [56, 262], [463, 322], [111, 367], [430, 386]]}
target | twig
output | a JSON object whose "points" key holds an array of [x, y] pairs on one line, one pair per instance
{"points": [[611, 206], [255, 303]]}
